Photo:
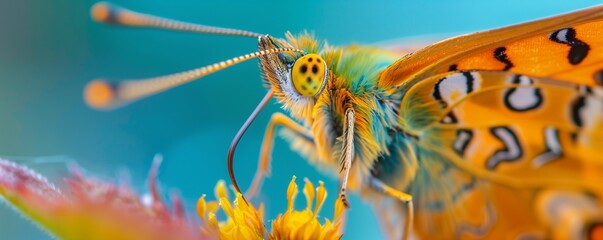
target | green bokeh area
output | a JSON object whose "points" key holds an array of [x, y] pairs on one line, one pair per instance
{"points": [[49, 50]]}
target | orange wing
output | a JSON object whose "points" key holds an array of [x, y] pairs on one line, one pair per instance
{"points": [[503, 154], [566, 47]]}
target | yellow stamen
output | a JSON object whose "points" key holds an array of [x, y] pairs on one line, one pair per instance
{"points": [[225, 205], [321, 196], [291, 193], [213, 221], [221, 191], [202, 208], [212, 207], [309, 192], [339, 209]]}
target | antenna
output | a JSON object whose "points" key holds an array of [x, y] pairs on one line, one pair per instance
{"points": [[108, 13], [103, 95]]}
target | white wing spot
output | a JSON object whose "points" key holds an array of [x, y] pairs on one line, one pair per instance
{"points": [[458, 85], [511, 151], [553, 148], [522, 98]]}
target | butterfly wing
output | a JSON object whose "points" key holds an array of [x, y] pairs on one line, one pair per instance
{"points": [[498, 149], [565, 47], [491, 144]]}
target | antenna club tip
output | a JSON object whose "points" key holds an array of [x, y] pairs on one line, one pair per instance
{"points": [[102, 12], [99, 94]]}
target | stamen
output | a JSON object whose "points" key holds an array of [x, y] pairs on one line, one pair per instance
{"points": [[291, 193], [108, 13], [321, 196], [103, 95], [309, 192]]}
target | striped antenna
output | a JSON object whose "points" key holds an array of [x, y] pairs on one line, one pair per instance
{"points": [[103, 95], [107, 13]]}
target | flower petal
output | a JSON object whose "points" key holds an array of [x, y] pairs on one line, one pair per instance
{"points": [[90, 209]]}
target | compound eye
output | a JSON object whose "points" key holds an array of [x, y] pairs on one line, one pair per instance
{"points": [[308, 74]]}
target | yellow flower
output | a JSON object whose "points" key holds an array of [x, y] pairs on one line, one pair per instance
{"points": [[304, 224], [246, 222], [90, 209]]}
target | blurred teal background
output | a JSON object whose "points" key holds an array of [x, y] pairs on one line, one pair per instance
{"points": [[49, 50]]}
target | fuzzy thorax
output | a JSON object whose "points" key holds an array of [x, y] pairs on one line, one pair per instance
{"points": [[351, 80]]}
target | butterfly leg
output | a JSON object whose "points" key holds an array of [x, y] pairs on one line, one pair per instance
{"points": [[277, 119], [401, 196], [347, 154]]}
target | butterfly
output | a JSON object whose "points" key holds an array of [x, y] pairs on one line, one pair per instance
{"points": [[488, 135]]}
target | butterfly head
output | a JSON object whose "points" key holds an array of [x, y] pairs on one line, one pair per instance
{"points": [[296, 78]]}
